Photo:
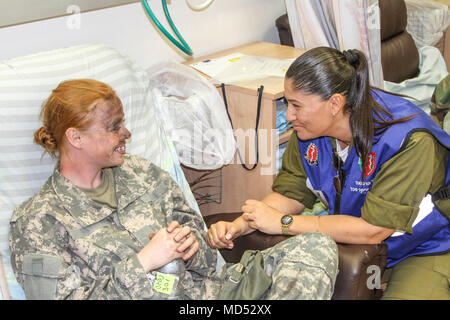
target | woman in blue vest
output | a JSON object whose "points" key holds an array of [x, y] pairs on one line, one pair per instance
{"points": [[399, 196]]}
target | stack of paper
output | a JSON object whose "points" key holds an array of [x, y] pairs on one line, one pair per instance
{"points": [[238, 67]]}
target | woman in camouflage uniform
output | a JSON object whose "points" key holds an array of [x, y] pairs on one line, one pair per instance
{"points": [[105, 221]]}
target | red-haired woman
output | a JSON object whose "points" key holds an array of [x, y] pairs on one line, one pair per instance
{"points": [[85, 234]]}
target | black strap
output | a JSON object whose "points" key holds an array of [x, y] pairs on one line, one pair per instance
{"points": [[258, 114], [337, 200], [442, 194]]}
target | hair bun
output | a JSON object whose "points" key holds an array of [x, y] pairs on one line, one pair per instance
{"points": [[43, 137], [352, 57]]}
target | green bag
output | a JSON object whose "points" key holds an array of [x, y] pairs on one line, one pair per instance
{"points": [[247, 279]]}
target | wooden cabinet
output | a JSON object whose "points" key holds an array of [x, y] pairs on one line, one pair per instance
{"points": [[226, 189]]}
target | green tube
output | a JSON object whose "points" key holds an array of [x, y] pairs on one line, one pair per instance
{"points": [[183, 46], [169, 19]]}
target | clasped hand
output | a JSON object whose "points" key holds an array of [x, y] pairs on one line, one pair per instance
{"points": [[256, 216], [167, 245]]}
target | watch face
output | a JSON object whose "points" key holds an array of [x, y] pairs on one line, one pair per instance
{"points": [[286, 219]]}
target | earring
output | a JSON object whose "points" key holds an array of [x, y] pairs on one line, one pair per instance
{"points": [[333, 114]]}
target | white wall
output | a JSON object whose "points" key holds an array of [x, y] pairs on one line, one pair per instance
{"points": [[224, 24]]}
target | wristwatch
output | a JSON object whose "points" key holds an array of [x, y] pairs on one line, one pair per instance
{"points": [[286, 221]]}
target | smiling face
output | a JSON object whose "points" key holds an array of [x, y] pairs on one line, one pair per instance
{"points": [[104, 140], [310, 116]]}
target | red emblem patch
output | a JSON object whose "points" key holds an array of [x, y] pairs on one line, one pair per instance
{"points": [[312, 155], [370, 168]]}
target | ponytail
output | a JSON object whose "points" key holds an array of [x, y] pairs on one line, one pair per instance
{"points": [[360, 103]]}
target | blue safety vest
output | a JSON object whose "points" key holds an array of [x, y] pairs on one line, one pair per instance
{"points": [[430, 232]]}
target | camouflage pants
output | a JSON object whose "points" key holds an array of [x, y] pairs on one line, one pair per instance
{"points": [[303, 267]]}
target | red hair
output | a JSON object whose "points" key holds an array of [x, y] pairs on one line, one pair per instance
{"points": [[71, 105]]}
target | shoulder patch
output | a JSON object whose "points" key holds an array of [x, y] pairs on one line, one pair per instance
{"points": [[312, 155], [371, 164]]}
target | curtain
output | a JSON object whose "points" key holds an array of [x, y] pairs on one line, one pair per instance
{"points": [[340, 24]]}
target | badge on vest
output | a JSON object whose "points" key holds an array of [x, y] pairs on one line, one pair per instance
{"points": [[312, 155], [370, 168]]}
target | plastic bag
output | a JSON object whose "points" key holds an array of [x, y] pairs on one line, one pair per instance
{"points": [[194, 116], [427, 21]]}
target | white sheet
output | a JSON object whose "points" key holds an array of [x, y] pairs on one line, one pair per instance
{"points": [[427, 21], [432, 70]]}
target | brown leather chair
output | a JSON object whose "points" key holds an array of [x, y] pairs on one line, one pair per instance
{"points": [[284, 30], [354, 260], [399, 54]]}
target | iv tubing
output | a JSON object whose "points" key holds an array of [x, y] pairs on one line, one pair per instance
{"points": [[183, 45]]}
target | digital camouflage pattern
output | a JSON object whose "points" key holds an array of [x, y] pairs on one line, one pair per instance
{"points": [[303, 267], [66, 246]]}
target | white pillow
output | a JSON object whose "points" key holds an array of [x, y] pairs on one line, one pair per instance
{"points": [[26, 82]]}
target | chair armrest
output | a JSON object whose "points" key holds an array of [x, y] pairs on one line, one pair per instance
{"points": [[354, 260], [358, 262], [255, 240]]}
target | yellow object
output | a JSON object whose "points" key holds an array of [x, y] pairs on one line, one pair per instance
{"points": [[164, 283]]}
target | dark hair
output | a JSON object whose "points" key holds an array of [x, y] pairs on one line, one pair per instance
{"points": [[324, 71]]}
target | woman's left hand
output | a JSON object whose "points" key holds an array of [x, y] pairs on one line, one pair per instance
{"points": [[188, 242], [262, 216]]}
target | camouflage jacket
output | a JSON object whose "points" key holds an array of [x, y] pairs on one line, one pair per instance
{"points": [[440, 101], [66, 246]]}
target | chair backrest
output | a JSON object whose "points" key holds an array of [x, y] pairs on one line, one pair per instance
{"points": [[284, 30], [399, 54]]}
